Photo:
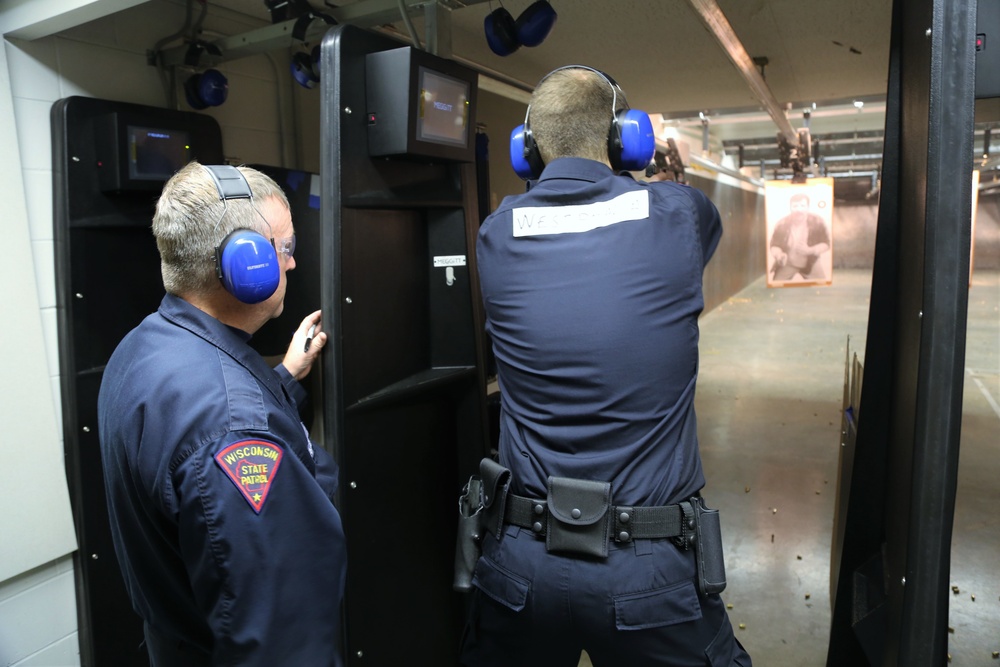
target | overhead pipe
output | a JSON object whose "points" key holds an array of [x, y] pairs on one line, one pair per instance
{"points": [[717, 23]]}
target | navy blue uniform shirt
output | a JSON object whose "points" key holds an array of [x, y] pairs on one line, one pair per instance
{"points": [[221, 508], [592, 284]]}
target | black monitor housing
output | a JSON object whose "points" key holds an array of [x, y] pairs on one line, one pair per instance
{"points": [[420, 106], [138, 155]]}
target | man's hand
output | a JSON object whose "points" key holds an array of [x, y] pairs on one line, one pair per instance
{"points": [[307, 342]]}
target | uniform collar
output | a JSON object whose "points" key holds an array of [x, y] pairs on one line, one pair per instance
{"points": [[229, 339], [576, 168]]}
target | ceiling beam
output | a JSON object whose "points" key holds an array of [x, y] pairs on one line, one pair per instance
{"points": [[711, 15]]}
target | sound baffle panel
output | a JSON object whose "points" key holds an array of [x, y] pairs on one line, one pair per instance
{"points": [[891, 605], [403, 378]]}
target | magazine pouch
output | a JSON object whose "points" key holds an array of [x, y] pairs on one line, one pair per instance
{"points": [[496, 480], [579, 517], [708, 548]]}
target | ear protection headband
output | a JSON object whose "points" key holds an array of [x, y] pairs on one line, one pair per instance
{"points": [[630, 138], [246, 261], [208, 89], [506, 35]]}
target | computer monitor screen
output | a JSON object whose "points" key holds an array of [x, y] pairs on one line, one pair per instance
{"points": [[443, 109], [156, 154]]}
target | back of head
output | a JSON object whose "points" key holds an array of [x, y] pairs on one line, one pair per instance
{"points": [[571, 114], [189, 225]]}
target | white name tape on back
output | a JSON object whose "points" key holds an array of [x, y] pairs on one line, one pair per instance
{"points": [[540, 220]]}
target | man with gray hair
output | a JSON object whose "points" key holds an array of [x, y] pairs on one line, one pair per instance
{"points": [[221, 507], [596, 537]]}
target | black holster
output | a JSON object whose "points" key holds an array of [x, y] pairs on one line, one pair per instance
{"points": [[470, 533], [703, 530], [480, 509]]}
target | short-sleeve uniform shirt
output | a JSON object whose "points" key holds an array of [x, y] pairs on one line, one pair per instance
{"points": [[592, 285]]}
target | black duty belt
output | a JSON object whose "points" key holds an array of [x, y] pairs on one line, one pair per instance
{"points": [[630, 523]]}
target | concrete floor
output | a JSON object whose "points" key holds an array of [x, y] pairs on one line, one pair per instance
{"points": [[769, 404]]}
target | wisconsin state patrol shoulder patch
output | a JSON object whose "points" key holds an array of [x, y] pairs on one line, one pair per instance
{"points": [[251, 464]]}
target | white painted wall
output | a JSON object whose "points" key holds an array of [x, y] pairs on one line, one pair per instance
{"points": [[104, 58]]}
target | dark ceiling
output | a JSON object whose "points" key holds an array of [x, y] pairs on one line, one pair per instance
{"points": [[827, 59], [821, 53]]}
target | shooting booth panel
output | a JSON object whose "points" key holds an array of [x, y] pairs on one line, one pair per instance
{"points": [[403, 375], [302, 292], [893, 532], [110, 161]]}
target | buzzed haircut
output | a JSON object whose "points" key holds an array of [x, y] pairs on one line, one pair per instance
{"points": [[571, 115]]}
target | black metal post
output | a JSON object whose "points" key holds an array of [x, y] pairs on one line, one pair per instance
{"points": [[891, 605]]}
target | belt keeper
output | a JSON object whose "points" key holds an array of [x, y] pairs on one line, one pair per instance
{"points": [[623, 524], [688, 526]]}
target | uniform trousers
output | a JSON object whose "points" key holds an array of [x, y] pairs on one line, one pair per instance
{"points": [[639, 607]]}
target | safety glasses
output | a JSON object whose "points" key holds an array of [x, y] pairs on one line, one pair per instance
{"points": [[285, 246]]}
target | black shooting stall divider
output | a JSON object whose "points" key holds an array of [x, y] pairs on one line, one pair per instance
{"points": [[403, 375], [107, 279], [892, 594]]}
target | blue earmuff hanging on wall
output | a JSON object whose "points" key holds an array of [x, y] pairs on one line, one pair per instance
{"points": [[630, 138], [208, 89], [505, 35], [246, 261], [305, 68]]}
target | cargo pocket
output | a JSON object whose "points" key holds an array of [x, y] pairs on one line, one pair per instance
{"points": [[677, 603], [503, 586]]}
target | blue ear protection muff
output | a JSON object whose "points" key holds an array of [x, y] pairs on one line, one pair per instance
{"points": [[630, 138], [247, 265], [305, 68], [524, 155], [246, 261], [208, 89], [505, 35], [535, 23], [631, 143], [501, 32]]}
